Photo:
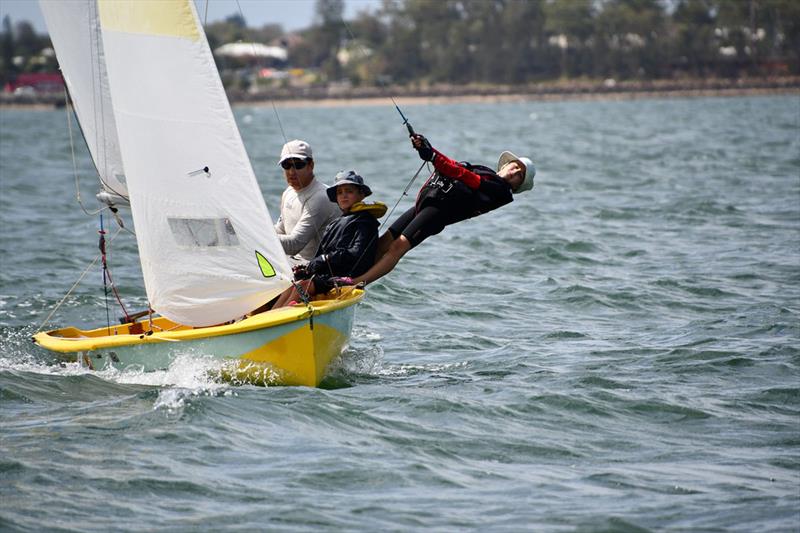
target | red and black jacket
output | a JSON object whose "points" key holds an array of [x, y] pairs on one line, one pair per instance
{"points": [[462, 189]]}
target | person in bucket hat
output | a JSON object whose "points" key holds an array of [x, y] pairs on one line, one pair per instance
{"points": [[349, 243], [454, 192], [305, 210], [349, 177]]}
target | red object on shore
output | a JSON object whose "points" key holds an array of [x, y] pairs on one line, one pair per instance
{"points": [[40, 82]]}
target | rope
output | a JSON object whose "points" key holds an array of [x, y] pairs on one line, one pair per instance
{"points": [[306, 300], [80, 278], [344, 291]]}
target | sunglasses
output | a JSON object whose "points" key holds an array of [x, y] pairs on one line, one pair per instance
{"points": [[297, 164]]}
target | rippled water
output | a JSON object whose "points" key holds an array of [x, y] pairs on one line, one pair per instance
{"points": [[617, 351]]}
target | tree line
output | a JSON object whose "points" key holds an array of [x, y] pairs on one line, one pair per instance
{"points": [[523, 41], [421, 42]]}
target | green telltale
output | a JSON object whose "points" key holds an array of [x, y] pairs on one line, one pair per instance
{"points": [[266, 267]]}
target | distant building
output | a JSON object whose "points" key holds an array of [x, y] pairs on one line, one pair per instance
{"points": [[253, 50]]}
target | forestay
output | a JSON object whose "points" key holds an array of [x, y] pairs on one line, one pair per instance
{"points": [[75, 33], [208, 249]]}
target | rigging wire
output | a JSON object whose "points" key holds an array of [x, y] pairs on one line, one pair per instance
{"points": [[80, 278], [364, 53], [298, 288], [406, 123], [68, 107], [300, 291], [255, 57], [105, 274], [99, 118], [411, 132], [102, 122], [278, 117], [404, 193], [106, 251]]}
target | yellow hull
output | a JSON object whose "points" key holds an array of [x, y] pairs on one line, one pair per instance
{"points": [[288, 346]]}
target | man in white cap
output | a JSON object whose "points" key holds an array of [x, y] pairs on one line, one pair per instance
{"points": [[305, 208], [454, 192]]}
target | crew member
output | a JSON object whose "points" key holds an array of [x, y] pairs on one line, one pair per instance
{"points": [[305, 209], [455, 192]]}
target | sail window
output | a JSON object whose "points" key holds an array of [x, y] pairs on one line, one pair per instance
{"points": [[203, 232]]}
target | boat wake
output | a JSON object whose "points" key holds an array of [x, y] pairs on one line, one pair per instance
{"points": [[194, 374], [189, 375]]}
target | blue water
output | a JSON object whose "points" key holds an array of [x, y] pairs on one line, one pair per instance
{"points": [[616, 351]]}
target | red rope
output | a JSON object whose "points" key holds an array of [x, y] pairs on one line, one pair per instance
{"points": [[107, 272]]}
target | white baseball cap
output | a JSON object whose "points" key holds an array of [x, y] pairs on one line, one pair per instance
{"points": [[296, 149]]}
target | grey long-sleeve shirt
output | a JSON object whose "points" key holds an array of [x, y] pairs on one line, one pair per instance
{"points": [[304, 216]]}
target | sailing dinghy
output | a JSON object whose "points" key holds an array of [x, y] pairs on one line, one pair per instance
{"points": [[161, 133]]}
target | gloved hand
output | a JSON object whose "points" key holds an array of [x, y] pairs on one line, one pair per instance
{"points": [[318, 264], [300, 272], [422, 146], [323, 284]]}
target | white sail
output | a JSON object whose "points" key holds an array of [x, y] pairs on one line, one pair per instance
{"points": [[208, 249], [75, 33]]}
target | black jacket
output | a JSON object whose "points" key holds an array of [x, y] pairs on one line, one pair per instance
{"points": [[348, 246]]}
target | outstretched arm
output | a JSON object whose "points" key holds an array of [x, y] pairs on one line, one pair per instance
{"points": [[451, 169], [446, 166]]}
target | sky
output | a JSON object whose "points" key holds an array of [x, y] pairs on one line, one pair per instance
{"points": [[291, 14]]}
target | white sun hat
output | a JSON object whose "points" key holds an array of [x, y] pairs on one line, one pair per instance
{"points": [[527, 165]]}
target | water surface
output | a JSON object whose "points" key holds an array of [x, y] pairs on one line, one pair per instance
{"points": [[615, 351]]}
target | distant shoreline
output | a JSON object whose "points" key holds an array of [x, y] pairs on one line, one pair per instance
{"points": [[551, 91], [522, 97]]}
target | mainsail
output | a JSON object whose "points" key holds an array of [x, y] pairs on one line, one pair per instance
{"points": [[75, 33], [208, 249]]}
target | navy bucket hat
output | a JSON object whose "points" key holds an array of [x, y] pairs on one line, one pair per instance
{"points": [[347, 177]]}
